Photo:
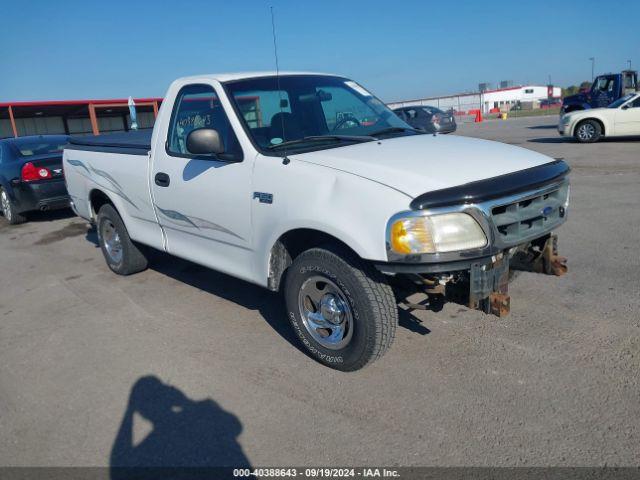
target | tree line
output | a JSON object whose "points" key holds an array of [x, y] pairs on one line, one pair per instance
{"points": [[573, 89]]}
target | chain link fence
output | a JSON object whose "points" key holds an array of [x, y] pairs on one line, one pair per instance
{"points": [[466, 105]]}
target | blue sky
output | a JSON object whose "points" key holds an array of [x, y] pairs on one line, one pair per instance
{"points": [[398, 49]]}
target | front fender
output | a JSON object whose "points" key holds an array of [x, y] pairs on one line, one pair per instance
{"points": [[353, 209]]}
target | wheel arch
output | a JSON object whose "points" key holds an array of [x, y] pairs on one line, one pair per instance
{"points": [[595, 119], [98, 198], [5, 185], [291, 244]]}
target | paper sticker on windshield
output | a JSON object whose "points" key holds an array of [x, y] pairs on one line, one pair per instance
{"points": [[357, 88], [276, 141]]}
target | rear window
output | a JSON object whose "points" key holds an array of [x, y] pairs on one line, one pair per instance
{"points": [[432, 110], [39, 148]]}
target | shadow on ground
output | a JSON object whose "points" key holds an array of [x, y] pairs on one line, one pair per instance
{"points": [[269, 304], [180, 432], [550, 140], [571, 140], [38, 217], [50, 216], [411, 323]]}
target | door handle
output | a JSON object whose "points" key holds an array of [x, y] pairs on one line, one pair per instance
{"points": [[162, 179]]}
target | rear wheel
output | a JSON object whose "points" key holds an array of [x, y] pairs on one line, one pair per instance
{"points": [[9, 210], [122, 255], [588, 131], [343, 310]]}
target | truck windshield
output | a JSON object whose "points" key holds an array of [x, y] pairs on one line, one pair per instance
{"points": [[295, 110]]}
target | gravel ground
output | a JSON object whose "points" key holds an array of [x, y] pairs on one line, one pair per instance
{"points": [[554, 383]]}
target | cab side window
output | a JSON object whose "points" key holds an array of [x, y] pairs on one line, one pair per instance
{"points": [[635, 103], [198, 106]]}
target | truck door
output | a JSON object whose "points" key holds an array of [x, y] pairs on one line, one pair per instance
{"points": [[627, 118], [203, 203]]}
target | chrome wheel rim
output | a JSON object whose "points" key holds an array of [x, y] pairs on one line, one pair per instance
{"points": [[6, 206], [111, 241], [325, 312], [586, 131]]}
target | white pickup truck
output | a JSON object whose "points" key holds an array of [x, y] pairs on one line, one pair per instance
{"points": [[308, 184]]}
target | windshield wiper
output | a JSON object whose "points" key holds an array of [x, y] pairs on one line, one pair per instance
{"points": [[322, 138], [396, 130]]}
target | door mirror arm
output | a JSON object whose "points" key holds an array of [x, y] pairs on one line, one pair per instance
{"points": [[229, 157]]}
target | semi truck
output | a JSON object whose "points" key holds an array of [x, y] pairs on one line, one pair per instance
{"points": [[308, 185], [605, 90]]}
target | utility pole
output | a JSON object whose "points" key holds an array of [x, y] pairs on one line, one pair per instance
{"points": [[593, 67]]}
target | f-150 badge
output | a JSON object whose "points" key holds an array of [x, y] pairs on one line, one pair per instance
{"points": [[263, 197]]}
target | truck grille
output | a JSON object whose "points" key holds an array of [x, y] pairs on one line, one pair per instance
{"points": [[530, 217]]}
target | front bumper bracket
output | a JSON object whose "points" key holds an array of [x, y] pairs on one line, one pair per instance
{"points": [[540, 256], [489, 287]]}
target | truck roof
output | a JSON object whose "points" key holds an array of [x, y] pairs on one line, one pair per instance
{"points": [[227, 77]]}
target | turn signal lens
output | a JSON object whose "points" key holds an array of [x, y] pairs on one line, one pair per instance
{"points": [[449, 232], [411, 235]]}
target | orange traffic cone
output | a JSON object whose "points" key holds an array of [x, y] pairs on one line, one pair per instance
{"points": [[478, 116]]}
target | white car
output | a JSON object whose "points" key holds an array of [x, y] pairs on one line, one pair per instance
{"points": [[309, 185], [621, 118]]}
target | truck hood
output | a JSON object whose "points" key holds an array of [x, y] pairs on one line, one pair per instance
{"points": [[577, 99], [422, 163]]}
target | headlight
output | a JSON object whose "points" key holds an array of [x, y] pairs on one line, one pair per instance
{"points": [[435, 234], [565, 119]]}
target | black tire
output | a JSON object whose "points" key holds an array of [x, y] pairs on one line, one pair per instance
{"points": [[9, 210], [373, 311], [131, 259], [588, 131]]}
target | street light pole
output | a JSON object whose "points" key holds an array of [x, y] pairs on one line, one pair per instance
{"points": [[593, 64]]}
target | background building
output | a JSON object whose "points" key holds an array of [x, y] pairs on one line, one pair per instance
{"points": [[75, 117], [83, 117], [528, 96]]}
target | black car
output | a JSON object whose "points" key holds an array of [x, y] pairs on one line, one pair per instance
{"points": [[429, 119], [31, 176]]}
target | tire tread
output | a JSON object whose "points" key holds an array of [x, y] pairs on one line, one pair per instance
{"points": [[378, 292], [16, 218], [134, 260]]}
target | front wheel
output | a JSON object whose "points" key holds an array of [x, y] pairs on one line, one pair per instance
{"points": [[588, 131], [343, 310]]}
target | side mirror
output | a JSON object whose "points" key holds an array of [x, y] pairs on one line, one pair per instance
{"points": [[624, 107], [205, 141]]}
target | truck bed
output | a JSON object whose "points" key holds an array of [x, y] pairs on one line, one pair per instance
{"points": [[132, 143]]}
